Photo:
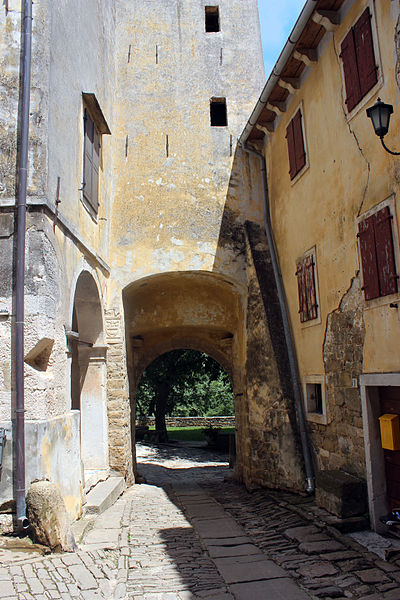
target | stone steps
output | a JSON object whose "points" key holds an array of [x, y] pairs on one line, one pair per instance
{"points": [[103, 495], [98, 500]]}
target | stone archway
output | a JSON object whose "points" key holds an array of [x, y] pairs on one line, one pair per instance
{"points": [[88, 377], [186, 310]]}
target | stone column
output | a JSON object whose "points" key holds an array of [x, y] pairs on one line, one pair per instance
{"points": [[118, 404], [94, 426]]}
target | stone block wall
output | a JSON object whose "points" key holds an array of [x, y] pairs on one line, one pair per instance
{"points": [[275, 458], [119, 417], [190, 421], [340, 443]]}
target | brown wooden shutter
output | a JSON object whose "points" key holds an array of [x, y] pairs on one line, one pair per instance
{"points": [[364, 48], [95, 171], [291, 150], [300, 153], [351, 77], [301, 287], [385, 252], [366, 236], [88, 156], [310, 287], [91, 162]]}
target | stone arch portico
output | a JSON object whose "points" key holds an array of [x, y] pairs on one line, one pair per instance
{"points": [[88, 377], [185, 310]]}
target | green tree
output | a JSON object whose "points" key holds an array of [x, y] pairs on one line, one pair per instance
{"points": [[183, 383]]}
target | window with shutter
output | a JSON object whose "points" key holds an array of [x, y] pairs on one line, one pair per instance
{"points": [[91, 162], [305, 272], [377, 254], [358, 58], [295, 142]]}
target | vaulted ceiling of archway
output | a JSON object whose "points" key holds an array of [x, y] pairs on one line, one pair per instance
{"points": [[191, 309]]}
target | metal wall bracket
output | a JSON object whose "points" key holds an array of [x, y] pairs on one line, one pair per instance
{"points": [[3, 439]]}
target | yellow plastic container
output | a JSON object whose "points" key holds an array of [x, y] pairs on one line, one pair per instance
{"points": [[390, 432]]}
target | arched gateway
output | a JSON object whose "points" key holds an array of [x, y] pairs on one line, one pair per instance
{"points": [[192, 310]]}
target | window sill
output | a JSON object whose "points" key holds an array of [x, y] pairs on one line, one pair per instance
{"points": [[317, 418], [383, 301], [311, 322], [92, 213], [300, 174], [364, 100]]}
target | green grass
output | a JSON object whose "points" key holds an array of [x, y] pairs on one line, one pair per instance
{"points": [[191, 434]]}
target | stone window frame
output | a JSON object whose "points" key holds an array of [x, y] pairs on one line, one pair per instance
{"points": [[375, 39], [381, 300], [313, 417]]}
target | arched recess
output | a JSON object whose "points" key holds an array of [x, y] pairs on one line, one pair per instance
{"points": [[88, 376], [187, 310]]}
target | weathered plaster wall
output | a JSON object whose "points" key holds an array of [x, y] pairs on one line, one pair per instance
{"points": [[53, 453], [10, 41], [72, 52], [9, 77], [168, 210], [84, 64], [348, 173]]}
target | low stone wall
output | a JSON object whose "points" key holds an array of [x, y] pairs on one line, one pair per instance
{"points": [[190, 421], [53, 453]]}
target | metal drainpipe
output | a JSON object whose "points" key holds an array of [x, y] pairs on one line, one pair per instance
{"points": [[22, 521], [286, 327]]}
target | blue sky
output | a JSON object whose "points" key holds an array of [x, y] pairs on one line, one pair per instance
{"points": [[277, 18]]}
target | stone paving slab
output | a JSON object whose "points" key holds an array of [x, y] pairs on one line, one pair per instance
{"points": [[204, 510], [237, 550], [241, 569], [273, 589], [229, 541], [217, 528]]}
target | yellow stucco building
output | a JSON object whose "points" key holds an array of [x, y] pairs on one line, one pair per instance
{"points": [[334, 200]]}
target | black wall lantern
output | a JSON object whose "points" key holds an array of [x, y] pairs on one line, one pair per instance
{"points": [[379, 114]]}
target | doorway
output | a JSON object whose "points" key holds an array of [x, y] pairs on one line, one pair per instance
{"points": [[88, 377]]}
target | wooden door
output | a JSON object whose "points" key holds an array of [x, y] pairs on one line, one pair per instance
{"points": [[390, 404]]}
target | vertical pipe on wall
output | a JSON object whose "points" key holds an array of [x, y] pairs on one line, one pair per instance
{"points": [[286, 326], [22, 522]]}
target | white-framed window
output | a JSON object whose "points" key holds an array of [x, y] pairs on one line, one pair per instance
{"points": [[378, 252], [314, 390], [360, 61], [307, 287]]}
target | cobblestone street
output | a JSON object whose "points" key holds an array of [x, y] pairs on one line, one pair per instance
{"points": [[188, 534]]}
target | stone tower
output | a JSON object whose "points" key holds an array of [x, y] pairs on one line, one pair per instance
{"points": [[188, 74]]}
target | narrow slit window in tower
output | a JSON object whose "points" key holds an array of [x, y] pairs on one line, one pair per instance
{"points": [[218, 113], [212, 19]]}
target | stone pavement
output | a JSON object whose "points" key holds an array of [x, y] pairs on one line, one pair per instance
{"points": [[189, 535]]}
